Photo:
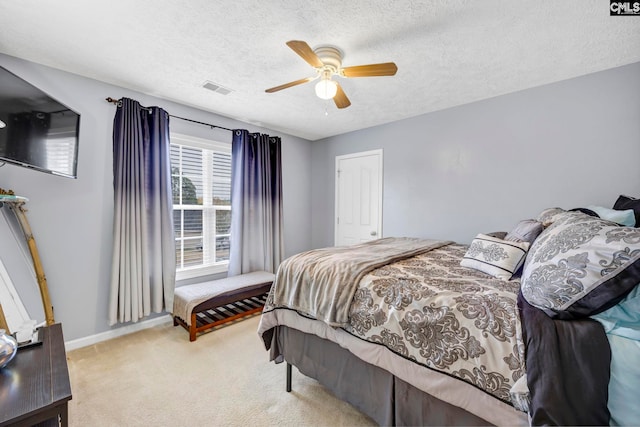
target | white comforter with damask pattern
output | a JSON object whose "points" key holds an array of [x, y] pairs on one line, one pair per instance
{"points": [[435, 323], [453, 319]]}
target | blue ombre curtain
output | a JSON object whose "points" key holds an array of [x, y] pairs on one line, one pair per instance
{"points": [[257, 241], [144, 263]]}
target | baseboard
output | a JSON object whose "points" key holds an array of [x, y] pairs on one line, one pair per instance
{"points": [[118, 332]]}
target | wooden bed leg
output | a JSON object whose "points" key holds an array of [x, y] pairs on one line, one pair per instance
{"points": [[288, 377], [192, 327]]}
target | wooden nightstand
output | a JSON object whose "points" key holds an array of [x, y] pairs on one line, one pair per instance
{"points": [[34, 386]]}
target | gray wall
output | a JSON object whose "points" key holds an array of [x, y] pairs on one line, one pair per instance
{"points": [[449, 174], [72, 219], [484, 166]]}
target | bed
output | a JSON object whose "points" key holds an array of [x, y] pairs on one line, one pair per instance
{"points": [[429, 332]]}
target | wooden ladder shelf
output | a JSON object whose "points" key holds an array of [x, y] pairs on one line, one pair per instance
{"points": [[16, 204]]}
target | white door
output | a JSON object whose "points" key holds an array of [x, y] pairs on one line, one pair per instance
{"points": [[358, 197]]}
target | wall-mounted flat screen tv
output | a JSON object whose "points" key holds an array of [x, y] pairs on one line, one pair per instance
{"points": [[36, 131]]}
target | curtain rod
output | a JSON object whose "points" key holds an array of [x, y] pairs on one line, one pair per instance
{"points": [[116, 101]]}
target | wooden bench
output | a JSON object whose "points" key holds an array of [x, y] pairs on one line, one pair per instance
{"points": [[202, 306]]}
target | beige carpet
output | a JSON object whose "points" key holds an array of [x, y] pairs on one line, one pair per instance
{"points": [[156, 377]]}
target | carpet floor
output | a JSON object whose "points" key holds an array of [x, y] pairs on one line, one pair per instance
{"points": [[156, 377]]}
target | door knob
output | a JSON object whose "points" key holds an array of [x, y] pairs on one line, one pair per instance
{"points": [[373, 233]]}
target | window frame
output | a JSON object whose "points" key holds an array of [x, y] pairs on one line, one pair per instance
{"points": [[205, 144]]}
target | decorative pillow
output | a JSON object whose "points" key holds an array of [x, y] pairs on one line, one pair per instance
{"points": [[626, 202], [497, 234], [586, 211], [623, 217], [525, 231], [548, 216], [494, 256], [581, 265], [623, 318]]}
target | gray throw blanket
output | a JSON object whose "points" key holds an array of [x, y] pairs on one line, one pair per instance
{"points": [[321, 283]]}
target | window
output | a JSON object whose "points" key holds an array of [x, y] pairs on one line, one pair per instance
{"points": [[201, 185]]}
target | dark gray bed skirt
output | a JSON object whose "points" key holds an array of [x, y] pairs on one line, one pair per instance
{"points": [[374, 391]]}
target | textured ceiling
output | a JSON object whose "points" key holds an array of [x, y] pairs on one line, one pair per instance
{"points": [[447, 52]]}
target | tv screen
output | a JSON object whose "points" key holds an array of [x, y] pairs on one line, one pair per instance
{"points": [[36, 131]]}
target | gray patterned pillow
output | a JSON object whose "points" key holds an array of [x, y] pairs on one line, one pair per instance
{"points": [[548, 216], [581, 265], [494, 256]]}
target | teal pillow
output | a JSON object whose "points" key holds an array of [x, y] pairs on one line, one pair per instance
{"points": [[622, 325], [623, 319], [624, 381], [626, 202], [623, 217]]}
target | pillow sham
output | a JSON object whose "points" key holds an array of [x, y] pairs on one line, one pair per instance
{"points": [[525, 231], [623, 217], [548, 216], [497, 257], [580, 266], [626, 202], [497, 234], [585, 210]]}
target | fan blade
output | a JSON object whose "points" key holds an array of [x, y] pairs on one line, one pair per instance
{"points": [[290, 84], [371, 70], [341, 99], [303, 49]]}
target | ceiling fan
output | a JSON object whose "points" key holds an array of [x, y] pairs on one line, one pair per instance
{"points": [[327, 61]]}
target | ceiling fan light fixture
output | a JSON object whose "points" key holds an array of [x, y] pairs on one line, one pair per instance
{"points": [[327, 62], [326, 89]]}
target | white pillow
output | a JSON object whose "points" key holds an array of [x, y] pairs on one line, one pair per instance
{"points": [[497, 257]]}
